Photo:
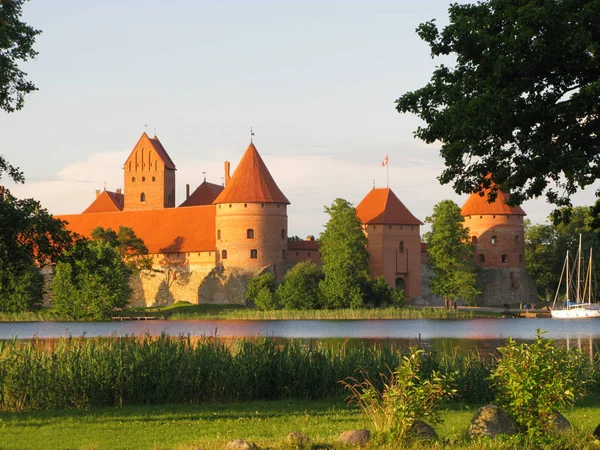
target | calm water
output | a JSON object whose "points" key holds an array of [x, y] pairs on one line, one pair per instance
{"points": [[486, 334]]}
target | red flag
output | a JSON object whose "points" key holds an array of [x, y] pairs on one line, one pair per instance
{"points": [[384, 162]]}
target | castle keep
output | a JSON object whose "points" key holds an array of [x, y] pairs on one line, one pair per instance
{"points": [[204, 249]]}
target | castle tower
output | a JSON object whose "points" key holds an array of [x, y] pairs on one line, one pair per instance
{"points": [[149, 176], [498, 232], [251, 217], [394, 240]]}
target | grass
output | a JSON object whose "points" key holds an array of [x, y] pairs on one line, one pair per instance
{"points": [[212, 426]]}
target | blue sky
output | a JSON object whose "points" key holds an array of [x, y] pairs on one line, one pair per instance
{"points": [[316, 80]]}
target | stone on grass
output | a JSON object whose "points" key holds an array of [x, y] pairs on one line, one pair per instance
{"points": [[560, 423], [297, 439], [240, 444], [422, 431], [355, 437], [490, 420]]}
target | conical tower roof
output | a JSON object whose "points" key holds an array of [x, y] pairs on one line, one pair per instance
{"points": [[477, 205], [381, 206], [251, 182]]}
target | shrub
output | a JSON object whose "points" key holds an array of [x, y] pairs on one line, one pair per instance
{"points": [[406, 397], [380, 293], [261, 291], [300, 287], [532, 381]]}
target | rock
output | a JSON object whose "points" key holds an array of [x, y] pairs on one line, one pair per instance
{"points": [[597, 432], [355, 437], [298, 440], [422, 431], [560, 424], [490, 420], [240, 444]]}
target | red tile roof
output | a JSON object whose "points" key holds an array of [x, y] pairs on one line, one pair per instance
{"points": [[106, 202], [158, 148], [251, 182], [477, 205], [166, 230], [381, 206], [205, 194]]}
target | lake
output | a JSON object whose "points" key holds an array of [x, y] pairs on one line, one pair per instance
{"points": [[485, 334]]}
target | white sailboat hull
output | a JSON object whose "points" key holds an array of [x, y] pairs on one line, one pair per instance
{"points": [[575, 313]]}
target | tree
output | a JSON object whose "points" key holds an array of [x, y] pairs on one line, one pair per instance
{"points": [[132, 248], [29, 239], [344, 256], [91, 280], [300, 287], [380, 293], [520, 102], [261, 292], [450, 255]]}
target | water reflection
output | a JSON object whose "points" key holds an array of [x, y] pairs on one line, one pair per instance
{"points": [[437, 335]]}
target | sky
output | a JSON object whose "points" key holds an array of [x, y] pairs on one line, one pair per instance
{"points": [[316, 81]]}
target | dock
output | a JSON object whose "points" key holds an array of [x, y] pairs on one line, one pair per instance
{"points": [[122, 318]]}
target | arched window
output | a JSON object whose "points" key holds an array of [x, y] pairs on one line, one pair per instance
{"points": [[142, 197], [482, 258], [218, 234], [517, 239], [494, 240], [223, 254], [282, 234], [504, 259], [143, 178], [250, 233], [473, 239], [282, 254], [153, 178], [253, 253], [401, 246], [132, 178]]}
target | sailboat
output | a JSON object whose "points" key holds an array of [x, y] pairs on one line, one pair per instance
{"points": [[578, 296]]}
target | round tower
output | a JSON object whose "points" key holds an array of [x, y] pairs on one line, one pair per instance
{"points": [[251, 218], [497, 230]]}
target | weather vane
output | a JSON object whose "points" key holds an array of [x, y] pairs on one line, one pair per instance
{"points": [[204, 173], [251, 134]]}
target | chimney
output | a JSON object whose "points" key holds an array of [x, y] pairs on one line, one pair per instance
{"points": [[227, 169], [118, 191], [187, 191], [97, 193]]}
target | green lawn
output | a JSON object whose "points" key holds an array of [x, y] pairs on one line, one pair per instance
{"points": [[212, 426]]}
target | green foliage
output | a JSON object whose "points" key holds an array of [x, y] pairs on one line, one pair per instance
{"points": [[30, 238], [405, 398], [132, 248], [344, 256], [450, 255], [300, 287], [536, 131], [91, 281], [380, 293], [16, 45], [532, 381], [261, 291]]}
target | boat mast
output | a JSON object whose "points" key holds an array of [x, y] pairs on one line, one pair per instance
{"points": [[579, 256], [568, 299]]}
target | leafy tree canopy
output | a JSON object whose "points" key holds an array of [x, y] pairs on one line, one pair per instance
{"points": [[344, 256], [522, 100], [300, 287], [132, 248], [261, 291], [91, 281], [450, 255]]}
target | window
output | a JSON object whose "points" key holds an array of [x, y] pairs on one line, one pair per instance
{"points": [[283, 234], [473, 239], [482, 258], [218, 234], [142, 197], [143, 178], [504, 259], [374, 227], [517, 239], [224, 254], [250, 233], [230, 205], [390, 227], [296, 253], [282, 254], [245, 205], [153, 178], [132, 178], [253, 254], [308, 253], [401, 246], [520, 257], [494, 240]]}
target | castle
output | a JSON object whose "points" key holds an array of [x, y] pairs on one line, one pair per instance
{"points": [[204, 249]]}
